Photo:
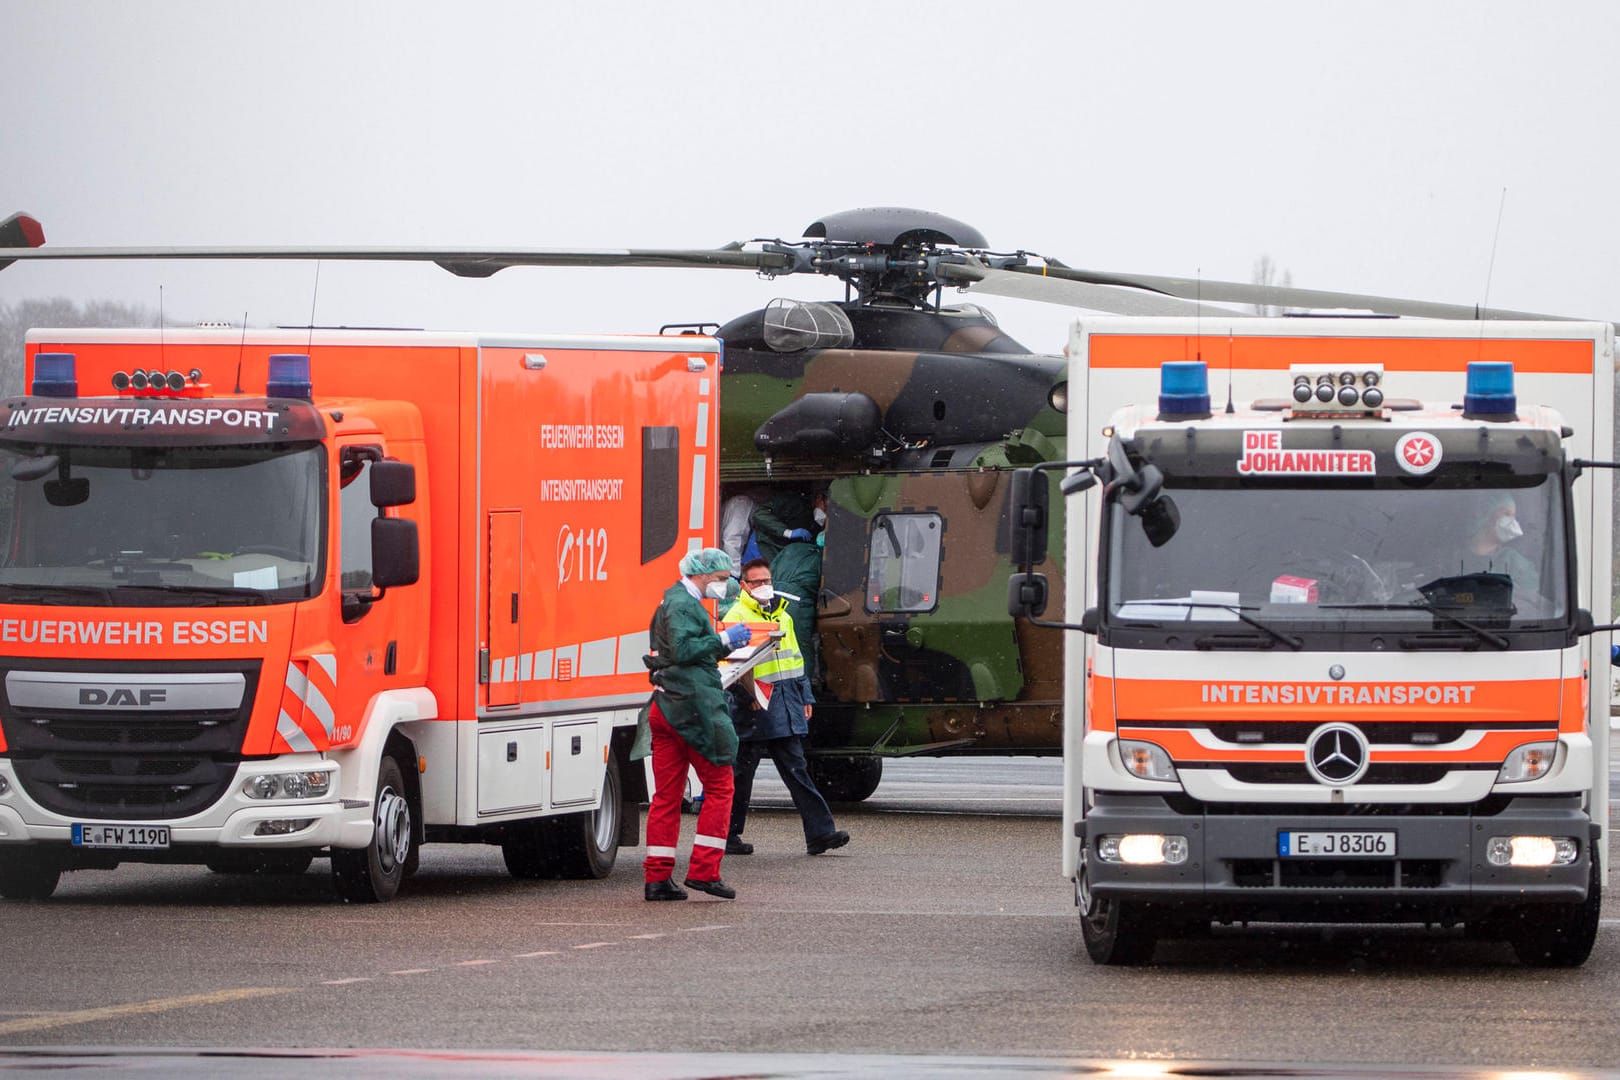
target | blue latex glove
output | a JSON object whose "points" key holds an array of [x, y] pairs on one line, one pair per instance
{"points": [[798, 534], [1614, 654], [736, 636]]}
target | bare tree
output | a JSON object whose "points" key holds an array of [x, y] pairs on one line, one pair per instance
{"points": [[18, 318], [1265, 273]]}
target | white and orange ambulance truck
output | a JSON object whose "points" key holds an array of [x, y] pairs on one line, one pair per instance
{"points": [[1336, 594], [272, 595]]}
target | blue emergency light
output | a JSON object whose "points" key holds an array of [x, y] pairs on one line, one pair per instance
{"points": [[1488, 394], [1183, 389], [54, 375], [289, 377]]}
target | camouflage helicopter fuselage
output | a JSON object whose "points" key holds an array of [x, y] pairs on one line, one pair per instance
{"points": [[913, 435]]}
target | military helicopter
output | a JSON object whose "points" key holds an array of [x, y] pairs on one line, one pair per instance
{"points": [[910, 415]]}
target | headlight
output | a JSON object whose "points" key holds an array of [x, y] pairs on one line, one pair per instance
{"points": [[1145, 760], [293, 785], [1143, 849], [1531, 850], [1058, 397], [1531, 761]]}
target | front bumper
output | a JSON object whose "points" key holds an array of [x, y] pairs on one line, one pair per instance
{"points": [[232, 822], [1233, 863]]}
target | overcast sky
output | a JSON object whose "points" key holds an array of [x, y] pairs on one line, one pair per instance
{"points": [[1363, 146]]}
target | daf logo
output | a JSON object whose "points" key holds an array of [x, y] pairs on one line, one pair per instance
{"points": [[1336, 755], [122, 697]]}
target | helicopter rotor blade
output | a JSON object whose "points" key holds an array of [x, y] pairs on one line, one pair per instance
{"points": [[464, 262], [1233, 292], [1093, 296]]}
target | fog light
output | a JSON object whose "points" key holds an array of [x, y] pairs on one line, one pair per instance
{"points": [[1143, 849], [1531, 850], [5, 785], [1145, 760], [283, 826], [1531, 761]]}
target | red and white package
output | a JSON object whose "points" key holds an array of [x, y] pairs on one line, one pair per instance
{"points": [[1288, 589]]}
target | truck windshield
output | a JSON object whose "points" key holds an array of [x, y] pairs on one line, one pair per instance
{"points": [[155, 527], [1349, 555]]}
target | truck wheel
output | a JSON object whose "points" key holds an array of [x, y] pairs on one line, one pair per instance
{"points": [[846, 779], [373, 873], [26, 876], [587, 845], [1557, 935], [526, 851], [1116, 932]]}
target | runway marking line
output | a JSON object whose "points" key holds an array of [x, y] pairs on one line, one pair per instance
{"points": [[529, 955], [138, 1008], [702, 929], [596, 945], [346, 982], [411, 971], [475, 963]]}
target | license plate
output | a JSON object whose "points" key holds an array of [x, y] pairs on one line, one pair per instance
{"points": [[1338, 845], [120, 836]]}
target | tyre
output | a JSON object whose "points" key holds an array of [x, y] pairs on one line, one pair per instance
{"points": [[1116, 932], [27, 876], [373, 873], [846, 779], [1557, 935], [527, 851], [261, 862], [586, 845]]}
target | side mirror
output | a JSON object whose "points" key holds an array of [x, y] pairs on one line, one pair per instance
{"points": [[393, 483], [1140, 493], [1026, 595], [1028, 504], [395, 556]]}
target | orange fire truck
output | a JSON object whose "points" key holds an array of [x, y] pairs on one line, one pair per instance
{"points": [[273, 595]]}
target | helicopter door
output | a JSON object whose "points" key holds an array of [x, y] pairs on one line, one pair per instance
{"points": [[914, 606]]}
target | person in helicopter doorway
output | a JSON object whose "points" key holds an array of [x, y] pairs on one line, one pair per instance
{"points": [[796, 570], [690, 727], [774, 719]]}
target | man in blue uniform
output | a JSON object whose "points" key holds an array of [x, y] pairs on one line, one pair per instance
{"points": [[777, 720]]}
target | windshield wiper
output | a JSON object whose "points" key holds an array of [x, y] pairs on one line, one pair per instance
{"points": [[1293, 642], [22, 592], [1488, 636], [222, 593]]}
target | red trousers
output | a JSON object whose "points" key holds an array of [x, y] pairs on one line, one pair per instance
{"points": [[671, 756]]}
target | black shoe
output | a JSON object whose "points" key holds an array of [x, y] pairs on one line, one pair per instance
{"points": [[713, 888], [835, 839], [736, 845], [663, 890]]}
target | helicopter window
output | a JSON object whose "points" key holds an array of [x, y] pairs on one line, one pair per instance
{"points": [[904, 571]]}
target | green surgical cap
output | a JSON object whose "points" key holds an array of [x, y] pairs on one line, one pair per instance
{"points": [[706, 561]]}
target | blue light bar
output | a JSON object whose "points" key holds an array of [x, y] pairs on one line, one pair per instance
{"points": [[54, 375], [1489, 394], [289, 377], [1183, 389]]}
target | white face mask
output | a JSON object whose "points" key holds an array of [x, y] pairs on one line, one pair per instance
{"points": [[1508, 529], [764, 594], [716, 589], [820, 515]]}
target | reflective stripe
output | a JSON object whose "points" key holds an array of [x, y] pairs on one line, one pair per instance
{"points": [[654, 851], [706, 841], [292, 734]]}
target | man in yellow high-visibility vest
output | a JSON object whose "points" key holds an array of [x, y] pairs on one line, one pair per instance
{"points": [[776, 720]]}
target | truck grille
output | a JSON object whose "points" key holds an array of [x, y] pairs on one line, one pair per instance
{"points": [[121, 765]]}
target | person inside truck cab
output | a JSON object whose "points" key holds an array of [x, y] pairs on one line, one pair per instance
{"points": [[1491, 545]]}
